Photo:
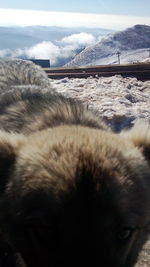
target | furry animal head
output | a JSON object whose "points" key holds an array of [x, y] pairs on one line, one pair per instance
{"points": [[74, 195]]}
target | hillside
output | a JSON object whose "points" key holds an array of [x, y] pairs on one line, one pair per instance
{"points": [[131, 42]]}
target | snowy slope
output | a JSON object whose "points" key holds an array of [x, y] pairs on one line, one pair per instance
{"points": [[126, 57], [133, 44]]}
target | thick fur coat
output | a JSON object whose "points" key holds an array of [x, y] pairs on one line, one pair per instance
{"points": [[72, 192]]}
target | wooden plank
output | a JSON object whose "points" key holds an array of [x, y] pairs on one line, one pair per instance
{"points": [[105, 68], [138, 75], [140, 71]]}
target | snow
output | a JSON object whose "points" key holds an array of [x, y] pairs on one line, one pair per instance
{"points": [[126, 57], [119, 101], [147, 60]]}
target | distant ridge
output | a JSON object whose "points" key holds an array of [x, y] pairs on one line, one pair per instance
{"points": [[58, 44], [20, 37]]}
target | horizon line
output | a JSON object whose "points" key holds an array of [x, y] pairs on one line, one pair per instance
{"points": [[18, 17]]}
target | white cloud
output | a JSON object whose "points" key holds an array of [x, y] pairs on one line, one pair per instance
{"points": [[68, 19], [80, 39], [4, 52], [44, 50], [66, 49], [47, 50]]}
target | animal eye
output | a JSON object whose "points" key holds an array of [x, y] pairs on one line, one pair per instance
{"points": [[125, 234]]}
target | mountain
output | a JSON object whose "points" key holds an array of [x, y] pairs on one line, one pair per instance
{"points": [[133, 44]]}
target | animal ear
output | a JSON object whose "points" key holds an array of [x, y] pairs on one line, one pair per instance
{"points": [[9, 146], [139, 134]]}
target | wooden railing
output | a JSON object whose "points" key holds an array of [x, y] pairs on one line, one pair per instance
{"points": [[139, 70]]}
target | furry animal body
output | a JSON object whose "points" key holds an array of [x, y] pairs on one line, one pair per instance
{"points": [[17, 73], [72, 192]]}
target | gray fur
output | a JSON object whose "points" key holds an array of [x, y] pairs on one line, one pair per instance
{"points": [[16, 72]]}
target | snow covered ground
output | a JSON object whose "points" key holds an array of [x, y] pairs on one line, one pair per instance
{"points": [[119, 101]]}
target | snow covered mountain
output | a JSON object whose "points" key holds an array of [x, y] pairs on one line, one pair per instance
{"points": [[133, 44]]}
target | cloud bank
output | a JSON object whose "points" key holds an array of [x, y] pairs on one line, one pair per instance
{"points": [[58, 54], [68, 19]]}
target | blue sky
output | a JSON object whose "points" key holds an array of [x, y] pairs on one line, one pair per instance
{"points": [[108, 14], [127, 7]]}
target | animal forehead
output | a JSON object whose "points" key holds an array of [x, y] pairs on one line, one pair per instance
{"points": [[62, 168], [72, 146], [64, 150], [76, 137]]}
